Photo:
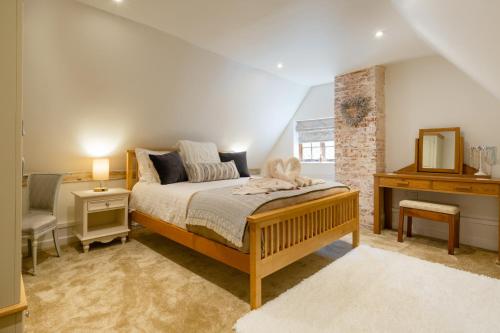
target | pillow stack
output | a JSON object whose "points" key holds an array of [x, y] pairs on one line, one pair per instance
{"points": [[194, 161]]}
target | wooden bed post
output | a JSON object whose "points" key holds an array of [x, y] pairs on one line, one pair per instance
{"points": [[255, 274], [355, 238], [355, 233], [131, 169]]}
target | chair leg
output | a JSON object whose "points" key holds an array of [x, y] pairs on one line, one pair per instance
{"points": [[34, 249], [401, 224], [457, 230], [409, 226], [56, 242], [451, 236], [29, 247]]}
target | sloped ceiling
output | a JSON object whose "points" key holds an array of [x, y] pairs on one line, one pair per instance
{"points": [[314, 39], [465, 32]]}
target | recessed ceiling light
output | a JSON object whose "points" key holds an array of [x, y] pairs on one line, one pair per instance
{"points": [[279, 65], [379, 34], [118, 1]]}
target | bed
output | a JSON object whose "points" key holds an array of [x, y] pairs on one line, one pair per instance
{"points": [[276, 235]]}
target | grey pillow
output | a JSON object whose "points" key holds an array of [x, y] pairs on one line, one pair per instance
{"points": [[169, 167], [240, 159], [207, 172]]}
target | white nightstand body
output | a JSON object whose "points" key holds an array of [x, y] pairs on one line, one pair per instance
{"points": [[101, 216]]}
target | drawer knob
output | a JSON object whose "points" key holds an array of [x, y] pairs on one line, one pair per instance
{"points": [[463, 188], [107, 203]]}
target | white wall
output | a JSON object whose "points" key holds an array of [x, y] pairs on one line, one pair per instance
{"points": [[99, 82], [430, 92], [91, 78], [318, 103]]}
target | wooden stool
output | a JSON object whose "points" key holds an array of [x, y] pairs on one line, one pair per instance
{"points": [[431, 211]]}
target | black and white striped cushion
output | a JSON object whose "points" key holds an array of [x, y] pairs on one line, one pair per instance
{"points": [[207, 172]]}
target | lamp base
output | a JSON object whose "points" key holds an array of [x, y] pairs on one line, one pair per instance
{"points": [[100, 189]]}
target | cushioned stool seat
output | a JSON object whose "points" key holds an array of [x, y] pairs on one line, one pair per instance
{"points": [[430, 206], [432, 211]]}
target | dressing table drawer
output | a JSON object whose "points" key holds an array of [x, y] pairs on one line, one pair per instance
{"points": [[462, 187], [405, 183]]}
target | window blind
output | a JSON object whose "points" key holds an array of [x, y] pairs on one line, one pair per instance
{"points": [[315, 130]]}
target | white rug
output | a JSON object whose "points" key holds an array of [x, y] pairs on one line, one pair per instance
{"points": [[372, 290]]}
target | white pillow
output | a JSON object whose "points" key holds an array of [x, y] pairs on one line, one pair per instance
{"points": [[198, 152], [147, 171]]}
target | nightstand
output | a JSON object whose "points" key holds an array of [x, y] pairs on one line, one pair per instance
{"points": [[101, 216]]}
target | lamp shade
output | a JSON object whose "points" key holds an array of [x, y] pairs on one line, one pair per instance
{"points": [[100, 169]]}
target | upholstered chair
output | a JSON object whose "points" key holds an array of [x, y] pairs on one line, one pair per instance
{"points": [[41, 218]]}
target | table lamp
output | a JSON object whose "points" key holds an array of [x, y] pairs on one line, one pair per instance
{"points": [[100, 172]]}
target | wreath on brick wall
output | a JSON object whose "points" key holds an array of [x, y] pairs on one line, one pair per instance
{"points": [[355, 109]]}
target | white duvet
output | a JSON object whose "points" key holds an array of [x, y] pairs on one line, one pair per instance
{"points": [[170, 202]]}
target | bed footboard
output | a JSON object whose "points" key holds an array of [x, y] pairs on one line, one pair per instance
{"points": [[283, 236]]}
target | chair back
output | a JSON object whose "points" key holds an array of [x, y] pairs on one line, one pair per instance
{"points": [[44, 191]]}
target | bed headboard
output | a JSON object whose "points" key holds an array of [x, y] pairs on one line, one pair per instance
{"points": [[132, 172]]}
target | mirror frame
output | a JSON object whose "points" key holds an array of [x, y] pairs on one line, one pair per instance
{"points": [[422, 132]]}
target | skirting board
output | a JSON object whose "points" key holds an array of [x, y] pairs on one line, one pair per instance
{"points": [[474, 231], [66, 236]]}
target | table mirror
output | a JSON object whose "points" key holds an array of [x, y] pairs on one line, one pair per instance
{"points": [[439, 150]]}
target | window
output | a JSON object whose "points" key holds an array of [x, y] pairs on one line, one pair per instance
{"points": [[315, 140]]}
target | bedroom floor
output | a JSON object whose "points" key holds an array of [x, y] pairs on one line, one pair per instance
{"points": [[151, 284]]}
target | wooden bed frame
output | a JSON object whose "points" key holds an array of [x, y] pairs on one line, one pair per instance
{"points": [[277, 238]]}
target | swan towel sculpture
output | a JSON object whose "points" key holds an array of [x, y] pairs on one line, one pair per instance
{"points": [[280, 175]]}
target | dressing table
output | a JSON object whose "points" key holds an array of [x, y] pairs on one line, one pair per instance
{"points": [[438, 167]]}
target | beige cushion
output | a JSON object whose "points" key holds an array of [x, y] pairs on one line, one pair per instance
{"points": [[430, 206], [207, 172], [38, 221], [198, 152]]}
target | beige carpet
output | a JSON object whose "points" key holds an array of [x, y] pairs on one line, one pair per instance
{"points": [[374, 290], [151, 284]]}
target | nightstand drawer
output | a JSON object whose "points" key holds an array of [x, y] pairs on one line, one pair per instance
{"points": [[405, 183], [106, 204], [487, 189]]}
